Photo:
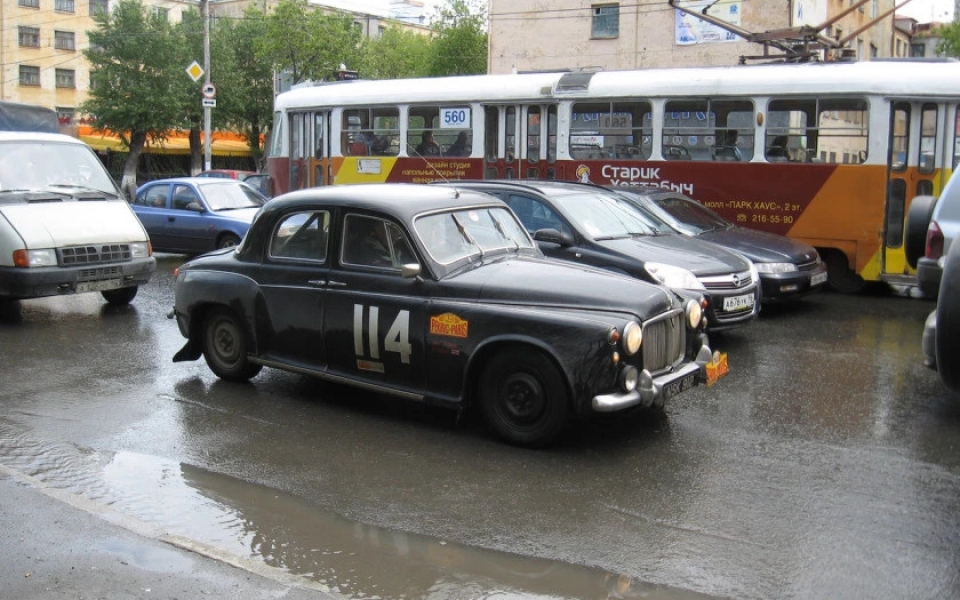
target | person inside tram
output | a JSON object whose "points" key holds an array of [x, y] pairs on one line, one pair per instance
{"points": [[726, 148], [459, 147], [777, 151], [428, 147]]}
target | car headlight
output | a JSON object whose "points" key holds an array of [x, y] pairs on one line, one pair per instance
{"points": [[673, 276], [694, 313], [632, 336], [140, 250], [775, 267], [754, 275], [35, 258]]}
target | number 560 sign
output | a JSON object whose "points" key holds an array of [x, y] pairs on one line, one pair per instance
{"points": [[455, 118]]}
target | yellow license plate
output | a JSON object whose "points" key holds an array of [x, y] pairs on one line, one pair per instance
{"points": [[717, 367]]}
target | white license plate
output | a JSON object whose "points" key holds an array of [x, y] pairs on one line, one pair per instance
{"points": [[818, 278], [99, 286], [738, 302]]}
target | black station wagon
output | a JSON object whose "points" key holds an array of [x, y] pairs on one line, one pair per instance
{"points": [[437, 295]]}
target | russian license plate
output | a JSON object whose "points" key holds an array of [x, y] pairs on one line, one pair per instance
{"points": [[681, 385], [717, 367], [99, 286], [744, 302], [818, 278]]}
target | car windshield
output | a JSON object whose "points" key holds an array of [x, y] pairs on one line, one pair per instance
{"points": [[606, 217], [453, 235], [32, 165], [230, 195], [693, 214]]}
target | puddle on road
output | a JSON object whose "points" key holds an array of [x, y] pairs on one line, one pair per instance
{"points": [[289, 533]]}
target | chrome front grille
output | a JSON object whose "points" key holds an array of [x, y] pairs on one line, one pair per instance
{"points": [[75, 256], [664, 341], [733, 281]]}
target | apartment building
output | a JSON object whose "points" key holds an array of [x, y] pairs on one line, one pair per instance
{"points": [[42, 43], [531, 35]]}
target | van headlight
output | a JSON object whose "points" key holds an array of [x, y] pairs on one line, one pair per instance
{"points": [[140, 250], [35, 258], [632, 337], [673, 276]]}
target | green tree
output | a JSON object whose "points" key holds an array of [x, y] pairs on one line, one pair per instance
{"points": [[308, 43], [247, 80], [397, 53], [949, 39], [460, 39], [133, 90]]}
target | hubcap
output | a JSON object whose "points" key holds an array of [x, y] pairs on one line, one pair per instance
{"points": [[523, 399]]}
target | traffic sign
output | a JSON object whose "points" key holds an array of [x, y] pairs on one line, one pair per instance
{"points": [[195, 71], [211, 102], [209, 90]]}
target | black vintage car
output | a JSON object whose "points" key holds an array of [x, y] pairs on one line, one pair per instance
{"points": [[788, 268], [591, 225], [437, 295]]}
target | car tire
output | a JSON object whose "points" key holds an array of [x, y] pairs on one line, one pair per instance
{"points": [[225, 346], [523, 397], [948, 321], [121, 296], [227, 240], [918, 219]]}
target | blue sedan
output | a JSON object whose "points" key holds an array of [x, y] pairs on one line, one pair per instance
{"points": [[193, 215]]}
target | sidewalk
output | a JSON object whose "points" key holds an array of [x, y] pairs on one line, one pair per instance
{"points": [[58, 545]]}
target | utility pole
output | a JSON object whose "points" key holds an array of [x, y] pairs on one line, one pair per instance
{"points": [[205, 10]]}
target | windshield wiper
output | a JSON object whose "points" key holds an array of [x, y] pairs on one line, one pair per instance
{"points": [[622, 236], [83, 187], [466, 235], [499, 226]]}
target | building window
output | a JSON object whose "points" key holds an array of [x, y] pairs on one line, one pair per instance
{"points": [[99, 7], [66, 78], [64, 40], [606, 21], [29, 75], [163, 13], [29, 36], [29, 3], [66, 115], [63, 5], [918, 50]]}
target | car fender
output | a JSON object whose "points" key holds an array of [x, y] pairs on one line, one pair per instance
{"points": [[237, 292], [948, 321]]}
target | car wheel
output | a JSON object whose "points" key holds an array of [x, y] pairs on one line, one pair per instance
{"points": [[120, 297], [225, 347], [227, 240], [523, 397], [948, 321], [840, 276], [918, 219]]}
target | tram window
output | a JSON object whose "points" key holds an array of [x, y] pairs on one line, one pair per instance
{"points": [[318, 135], [276, 144], [371, 131], [828, 130], [899, 136], [510, 137], [551, 134], [928, 139], [708, 130], [956, 140], [611, 130], [896, 204], [533, 135], [450, 127]]}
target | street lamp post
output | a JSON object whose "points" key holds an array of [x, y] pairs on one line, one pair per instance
{"points": [[205, 10]]}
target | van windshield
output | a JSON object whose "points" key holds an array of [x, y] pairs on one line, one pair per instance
{"points": [[45, 165]]}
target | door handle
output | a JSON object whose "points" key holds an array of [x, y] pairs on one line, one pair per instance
{"points": [[317, 282], [337, 283], [171, 219]]}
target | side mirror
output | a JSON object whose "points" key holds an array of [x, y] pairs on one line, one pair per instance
{"points": [[195, 206], [410, 270], [553, 236]]}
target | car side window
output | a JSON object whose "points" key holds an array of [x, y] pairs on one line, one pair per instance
{"points": [[155, 196], [182, 197], [302, 235], [534, 213], [373, 242]]}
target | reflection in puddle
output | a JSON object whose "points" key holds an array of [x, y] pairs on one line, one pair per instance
{"points": [[286, 532]]}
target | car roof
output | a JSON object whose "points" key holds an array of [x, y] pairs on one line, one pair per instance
{"points": [[200, 181], [401, 200], [546, 187]]}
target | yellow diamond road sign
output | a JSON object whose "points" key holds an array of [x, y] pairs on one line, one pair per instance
{"points": [[195, 71]]}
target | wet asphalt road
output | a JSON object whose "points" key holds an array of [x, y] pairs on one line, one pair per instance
{"points": [[826, 465]]}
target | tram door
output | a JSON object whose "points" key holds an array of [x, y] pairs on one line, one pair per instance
{"points": [[917, 166], [321, 169], [520, 141], [299, 151]]}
